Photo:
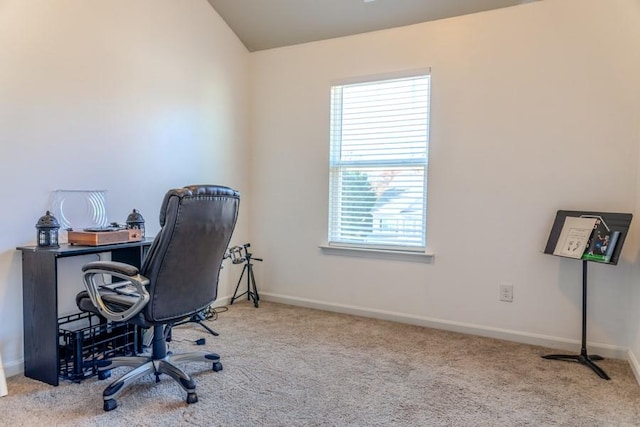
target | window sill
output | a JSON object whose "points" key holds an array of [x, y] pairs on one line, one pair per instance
{"points": [[425, 257]]}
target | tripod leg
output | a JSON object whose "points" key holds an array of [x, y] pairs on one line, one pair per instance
{"points": [[249, 268], [197, 318], [211, 331], [256, 297], [234, 297]]}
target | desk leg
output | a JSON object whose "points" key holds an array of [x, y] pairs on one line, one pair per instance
{"points": [[40, 315]]}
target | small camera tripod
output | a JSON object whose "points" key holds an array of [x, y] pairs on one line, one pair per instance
{"points": [[237, 257]]}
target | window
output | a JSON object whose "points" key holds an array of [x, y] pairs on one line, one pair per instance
{"points": [[378, 163]]}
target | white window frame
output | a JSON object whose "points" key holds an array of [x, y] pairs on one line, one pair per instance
{"points": [[338, 165]]}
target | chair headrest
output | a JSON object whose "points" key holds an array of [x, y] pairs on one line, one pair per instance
{"points": [[195, 191]]}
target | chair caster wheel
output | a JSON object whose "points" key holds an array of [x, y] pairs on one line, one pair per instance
{"points": [[103, 375], [192, 398], [217, 366], [110, 405]]}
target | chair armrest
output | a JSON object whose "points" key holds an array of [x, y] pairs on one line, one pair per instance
{"points": [[117, 267], [94, 278]]}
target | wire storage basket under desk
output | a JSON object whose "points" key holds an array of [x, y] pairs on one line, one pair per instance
{"points": [[84, 339]]}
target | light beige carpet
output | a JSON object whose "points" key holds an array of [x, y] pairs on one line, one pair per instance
{"points": [[291, 366]]}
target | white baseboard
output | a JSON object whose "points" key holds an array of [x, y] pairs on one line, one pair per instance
{"points": [[635, 365], [13, 367], [605, 350]]}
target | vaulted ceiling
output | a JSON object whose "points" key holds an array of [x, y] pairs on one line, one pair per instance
{"points": [[265, 24]]}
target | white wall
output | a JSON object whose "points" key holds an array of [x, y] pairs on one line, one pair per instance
{"points": [[134, 97], [634, 301], [534, 109]]}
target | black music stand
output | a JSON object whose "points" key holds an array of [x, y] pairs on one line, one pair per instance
{"points": [[618, 222]]}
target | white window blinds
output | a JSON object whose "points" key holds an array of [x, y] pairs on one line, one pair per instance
{"points": [[378, 163]]}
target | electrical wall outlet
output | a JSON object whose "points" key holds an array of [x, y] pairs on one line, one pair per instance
{"points": [[506, 292]]}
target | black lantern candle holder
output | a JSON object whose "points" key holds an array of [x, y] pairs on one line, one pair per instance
{"points": [[47, 227], [136, 221]]}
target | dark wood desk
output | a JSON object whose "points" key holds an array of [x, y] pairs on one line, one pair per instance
{"points": [[40, 300]]}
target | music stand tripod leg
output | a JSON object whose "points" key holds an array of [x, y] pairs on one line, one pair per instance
{"points": [[582, 358]]}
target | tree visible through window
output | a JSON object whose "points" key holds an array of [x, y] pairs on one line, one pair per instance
{"points": [[378, 163]]}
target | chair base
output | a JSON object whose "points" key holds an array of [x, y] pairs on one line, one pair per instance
{"points": [[144, 365]]}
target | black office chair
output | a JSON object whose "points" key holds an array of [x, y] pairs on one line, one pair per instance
{"points": [[179, 277]]}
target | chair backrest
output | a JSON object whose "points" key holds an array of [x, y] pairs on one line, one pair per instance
{"points": [[184, 261]]}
